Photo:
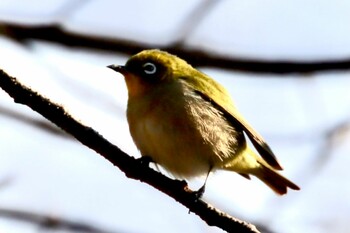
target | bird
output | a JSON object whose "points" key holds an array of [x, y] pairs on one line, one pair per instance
{"points": [[186, 122]]}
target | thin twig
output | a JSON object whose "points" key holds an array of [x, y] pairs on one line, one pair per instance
{"points": [[130, 166]]}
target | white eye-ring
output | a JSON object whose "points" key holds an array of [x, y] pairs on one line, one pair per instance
{"points": [[149, 68]]}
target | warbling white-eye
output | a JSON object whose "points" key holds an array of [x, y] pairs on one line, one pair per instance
{"points": [[186, 122]]}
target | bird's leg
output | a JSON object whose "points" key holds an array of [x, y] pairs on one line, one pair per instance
{"points": [[199, 193], [145, 160]]}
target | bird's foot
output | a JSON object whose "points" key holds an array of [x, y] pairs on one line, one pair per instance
{"points": [[199, 193], [145, 160]]}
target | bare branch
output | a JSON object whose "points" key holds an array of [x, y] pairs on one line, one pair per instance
{"points": [[50, 222], [130, 166], [193, 56]]}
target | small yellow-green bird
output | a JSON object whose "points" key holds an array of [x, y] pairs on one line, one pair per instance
{"points": [[186, 122]]}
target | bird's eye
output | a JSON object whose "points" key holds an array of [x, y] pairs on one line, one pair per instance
{"points": [[149, 68]]}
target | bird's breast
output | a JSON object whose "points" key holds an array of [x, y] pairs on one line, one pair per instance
{"points": [[181, 132]]}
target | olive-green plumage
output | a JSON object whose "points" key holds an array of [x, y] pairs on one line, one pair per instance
{"points": [[187, 122]]}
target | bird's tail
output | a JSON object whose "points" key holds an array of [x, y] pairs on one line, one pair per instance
{"points": [[249, 163], [274, 180]]}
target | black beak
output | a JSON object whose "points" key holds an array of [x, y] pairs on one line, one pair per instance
{"points": [[119, 69]]}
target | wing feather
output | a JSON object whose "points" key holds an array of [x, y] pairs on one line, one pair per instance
{"points": [[217, 95]]}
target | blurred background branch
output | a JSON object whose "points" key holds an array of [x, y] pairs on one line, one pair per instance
{"points": [[47, 222], [195, 57]]}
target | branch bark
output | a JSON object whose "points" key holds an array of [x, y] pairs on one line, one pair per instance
{"points": [[132, 167]]}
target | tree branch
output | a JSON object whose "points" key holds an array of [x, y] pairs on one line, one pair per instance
{"points": [[132, 167], [50, 222], [194, 56]]}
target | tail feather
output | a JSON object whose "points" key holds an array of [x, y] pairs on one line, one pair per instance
{"points": [[275, 181], [249, 163]]}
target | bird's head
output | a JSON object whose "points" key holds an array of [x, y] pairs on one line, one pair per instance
{"points": [[151, 68]]}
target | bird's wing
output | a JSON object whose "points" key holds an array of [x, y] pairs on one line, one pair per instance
{"points": [[220, 98]]}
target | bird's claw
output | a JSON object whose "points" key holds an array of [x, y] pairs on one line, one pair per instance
{"points": [[199, 193], [145, 160]]}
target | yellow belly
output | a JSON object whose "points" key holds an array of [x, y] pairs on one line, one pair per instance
{"points": [[187, 136]]}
